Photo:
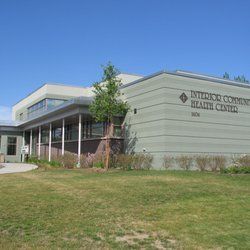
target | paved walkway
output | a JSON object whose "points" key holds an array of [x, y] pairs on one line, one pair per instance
{"points": [[9, 168]]}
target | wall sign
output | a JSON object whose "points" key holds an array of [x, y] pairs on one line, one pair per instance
{"points": [[212, 101]]}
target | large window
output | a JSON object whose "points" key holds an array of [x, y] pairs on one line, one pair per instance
{"points": [[51, 103], [11, 145], [56, 134], [97, 130], [43, 105], [71, 132], [45, 135], [87, 129], [118, 126], [37, 108], [90, 129]]}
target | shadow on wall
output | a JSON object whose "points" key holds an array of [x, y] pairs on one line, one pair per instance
{"points": [[130, 140]]}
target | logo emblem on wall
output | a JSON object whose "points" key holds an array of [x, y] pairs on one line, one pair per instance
{"points": [[183, 97]]}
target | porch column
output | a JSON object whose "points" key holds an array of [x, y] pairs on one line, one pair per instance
{"points": [[50, 128], [39, 143], [23, 155], [31, 142], [63, 135], [79, 139]]}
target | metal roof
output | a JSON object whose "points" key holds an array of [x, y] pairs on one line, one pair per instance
{"points": [[78, 101], [7, 123], [51, 84], [191, 75]]}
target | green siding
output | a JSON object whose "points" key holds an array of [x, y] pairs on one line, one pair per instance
{"points": [[164, 124]]}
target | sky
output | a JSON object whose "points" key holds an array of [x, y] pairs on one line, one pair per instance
{"points": [[67, 41]]}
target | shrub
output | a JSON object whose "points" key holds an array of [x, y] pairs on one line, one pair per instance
{"points": [[86, 161], [136, 161], [236, 170], [142, 161], [217, 162], [68, 160], [202, 162], [168, 161], [43, 163], [122, 161], [54, 163], [98, 160], [147, 163], [243, 160], [32, 159], [98, 164], [184, 161]]}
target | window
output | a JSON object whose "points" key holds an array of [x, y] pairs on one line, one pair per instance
{"points": [[71, 132], [88, 130], [97, 130], [37, 108], [56, 134], [51, 103], [45, 135], [43, 105], [68, 132], [11, 147], [118, 126]]}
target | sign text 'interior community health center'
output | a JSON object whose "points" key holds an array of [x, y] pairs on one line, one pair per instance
{"points": [[218, 102]]}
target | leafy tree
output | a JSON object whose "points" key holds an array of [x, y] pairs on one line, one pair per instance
{"points": [[107, 104], [238, 78], [241, 79], [226, 76]]}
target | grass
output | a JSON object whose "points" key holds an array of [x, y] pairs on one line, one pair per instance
{"points": [[136, 209]]}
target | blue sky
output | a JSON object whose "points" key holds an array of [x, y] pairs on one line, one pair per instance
{"points": [[66, 41]]}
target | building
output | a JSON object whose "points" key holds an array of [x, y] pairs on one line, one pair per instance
{"points": [[170, 113]]}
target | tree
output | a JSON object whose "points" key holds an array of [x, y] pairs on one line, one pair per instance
{"points": [[241, 79], [107, 104], [226, 76], [236, 78]]}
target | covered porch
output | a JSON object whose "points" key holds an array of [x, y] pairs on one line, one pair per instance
{"points": [[70, 129]]}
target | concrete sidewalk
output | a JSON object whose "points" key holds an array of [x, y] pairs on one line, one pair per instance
{"points": [[9, 168]]}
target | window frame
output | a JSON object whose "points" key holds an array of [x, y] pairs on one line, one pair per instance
{"points": [[12, 144]]}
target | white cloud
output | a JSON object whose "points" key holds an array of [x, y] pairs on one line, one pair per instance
{"points": [[5, 113]]}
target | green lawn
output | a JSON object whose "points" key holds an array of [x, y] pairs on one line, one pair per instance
{"points": [[138, 209]]}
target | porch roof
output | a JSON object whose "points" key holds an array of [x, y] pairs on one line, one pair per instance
{"points": [[70, 107]]}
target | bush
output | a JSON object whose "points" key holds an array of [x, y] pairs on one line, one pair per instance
{"points": [[68, 160], [136, 161], [32, 159], [236, 170], [184, 161], [43, 163], [98, 164], [148, 159], [243, 160], [86, 161], [168, 161], [217, 162], [122, 161], [202, 162], [142, 161]]}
